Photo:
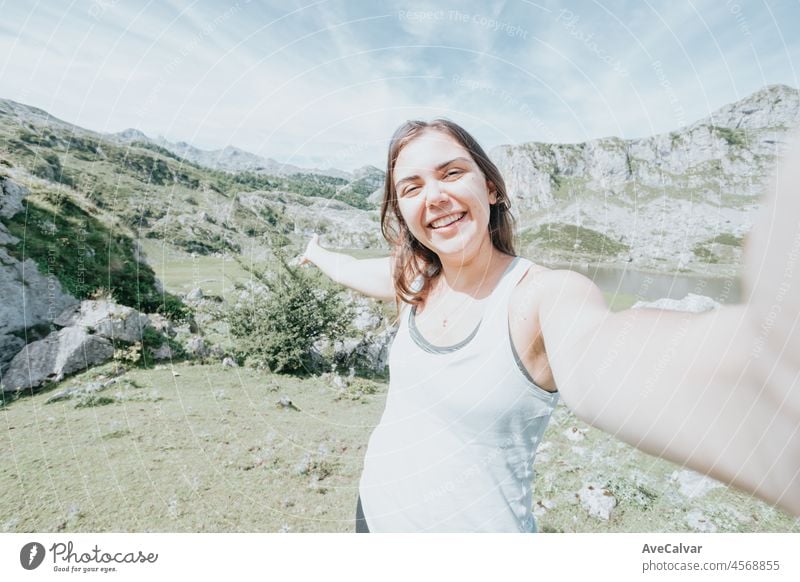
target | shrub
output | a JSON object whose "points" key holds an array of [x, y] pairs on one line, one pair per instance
{"points": [[276, 329], [733, 137]]}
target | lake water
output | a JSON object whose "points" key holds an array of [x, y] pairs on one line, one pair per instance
{"points": [[649, 286]]}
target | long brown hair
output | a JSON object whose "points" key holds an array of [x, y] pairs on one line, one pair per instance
{"points": [[412, 260]]}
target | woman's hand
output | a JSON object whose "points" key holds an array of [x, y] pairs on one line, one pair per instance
{"points": [[311, 248]]}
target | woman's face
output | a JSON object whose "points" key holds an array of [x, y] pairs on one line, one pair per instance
{"points": [[443, 196]]}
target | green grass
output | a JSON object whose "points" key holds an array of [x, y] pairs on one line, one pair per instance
{"points": [[570, 238], [728, 239], [208, 450], [733, 137], [180, 272], [705, 249], [569, 188], [202, 448]]}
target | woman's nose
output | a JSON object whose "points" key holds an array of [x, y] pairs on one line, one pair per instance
{"points": [[434, 193]]}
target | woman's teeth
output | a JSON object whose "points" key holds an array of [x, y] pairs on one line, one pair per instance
{"points": [[447, 220]]}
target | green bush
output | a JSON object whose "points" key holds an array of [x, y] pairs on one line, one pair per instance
{"points": [[49, 168], [734, 137], [277, 329]]}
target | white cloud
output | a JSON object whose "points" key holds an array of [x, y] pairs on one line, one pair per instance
{"points": [[331, 79]]}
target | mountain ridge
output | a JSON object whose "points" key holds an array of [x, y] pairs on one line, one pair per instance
{"points": [[665, 198]]}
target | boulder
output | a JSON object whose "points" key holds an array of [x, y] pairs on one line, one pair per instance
{"points": [[694, 484], [107, 319], [195, 294], [161, 324], [30, 298], [11, 195], [10, 345], [370, 351], [163, 352], [366, 316], [196, 346], [691, 303], [62, 352], [597, 501]]}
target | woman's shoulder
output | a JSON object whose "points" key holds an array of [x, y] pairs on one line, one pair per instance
{"points": [[540, 281]]}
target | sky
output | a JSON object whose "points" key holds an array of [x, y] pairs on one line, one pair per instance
{"points": [[325, 83]]}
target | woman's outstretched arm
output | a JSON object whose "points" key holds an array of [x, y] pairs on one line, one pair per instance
{"points": [[718, 391], [370, 277]]}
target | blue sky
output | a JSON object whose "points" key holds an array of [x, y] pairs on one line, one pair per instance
{"points": [[325, 83]]}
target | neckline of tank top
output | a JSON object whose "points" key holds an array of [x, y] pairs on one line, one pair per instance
{"points": [[431, 348]]}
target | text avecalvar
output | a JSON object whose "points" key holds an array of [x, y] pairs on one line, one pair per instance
{"points": [[671, 549]]}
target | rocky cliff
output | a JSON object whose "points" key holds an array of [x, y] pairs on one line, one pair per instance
{"points": [[668, 199], [30, 298]]}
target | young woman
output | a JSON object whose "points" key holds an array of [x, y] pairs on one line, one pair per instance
{"points": [[488, 341]]}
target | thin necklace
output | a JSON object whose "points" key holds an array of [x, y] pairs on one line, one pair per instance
{"points": [[464, 302]]}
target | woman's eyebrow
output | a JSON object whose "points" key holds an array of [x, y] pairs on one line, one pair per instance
{"points": [[438, 168]]}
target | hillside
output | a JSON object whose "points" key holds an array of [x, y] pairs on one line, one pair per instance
{"points": [[77, 207], [227, 159], [681, 200], [155, 193]]}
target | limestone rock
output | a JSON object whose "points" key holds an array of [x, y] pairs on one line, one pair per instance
{"points": [[195, 294], [693, 484], [62, 352], [29, 298], [107, 319], [10, 345], [367, 315], [197, 347], [575, 434], [162, 352], [286, 403], [369, 351], [161, 324], [599, 502], [691, 303], [11, 196]]}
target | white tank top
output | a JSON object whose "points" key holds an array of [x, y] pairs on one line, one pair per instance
{"points": [[455, 446]]}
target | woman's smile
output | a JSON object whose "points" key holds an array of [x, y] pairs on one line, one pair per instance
{"points": [[448, 222]]}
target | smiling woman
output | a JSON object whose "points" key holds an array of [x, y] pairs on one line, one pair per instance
{"points": [[488, 341]]}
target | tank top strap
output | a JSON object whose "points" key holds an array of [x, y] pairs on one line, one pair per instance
{"points": [[501, 296]]}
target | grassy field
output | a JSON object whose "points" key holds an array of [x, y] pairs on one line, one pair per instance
{"points": [[202, 448], [189, 448], [180, 272]]}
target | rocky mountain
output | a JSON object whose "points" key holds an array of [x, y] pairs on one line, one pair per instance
{"points": [[227, 159], [75, 206], [683, 199]]}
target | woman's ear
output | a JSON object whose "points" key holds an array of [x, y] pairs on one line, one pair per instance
{"points": [[492, 192]]}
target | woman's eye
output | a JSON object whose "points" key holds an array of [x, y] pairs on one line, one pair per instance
{"points": [[410, 190], [453, 173]]}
